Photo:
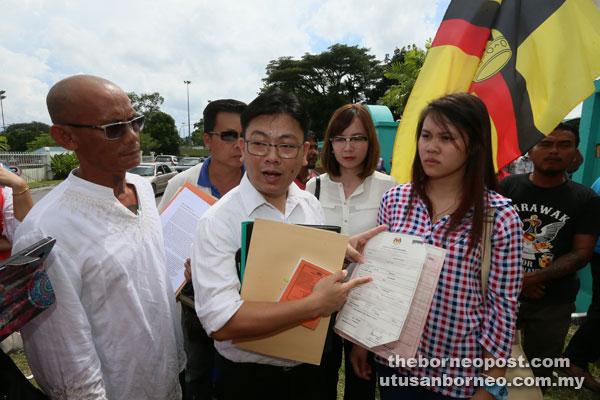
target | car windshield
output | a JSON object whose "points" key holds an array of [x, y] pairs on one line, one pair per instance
{"points": [[143, 170], [189, 161], [163, 159]]}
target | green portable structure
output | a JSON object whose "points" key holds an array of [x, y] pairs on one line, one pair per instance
{"points": [[588, 172], [386, 129]]}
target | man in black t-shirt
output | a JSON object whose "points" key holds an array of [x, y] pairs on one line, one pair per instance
{"points": [[561, 223]]}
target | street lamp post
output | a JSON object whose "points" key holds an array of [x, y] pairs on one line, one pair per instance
{"points": [[187, 83], [2, 97], [183, 124]]}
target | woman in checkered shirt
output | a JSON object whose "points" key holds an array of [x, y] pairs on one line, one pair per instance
{"points": [[453, 186]]}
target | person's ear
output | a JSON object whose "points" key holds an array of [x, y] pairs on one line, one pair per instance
{"points": [[305, 154], [206, 139], [64, 137], [241, 143]]}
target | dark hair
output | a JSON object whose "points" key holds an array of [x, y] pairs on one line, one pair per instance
{"points": [[469, 115], [311, 136], [340, 120], [217, 106], [570, 126], [276, 101]]}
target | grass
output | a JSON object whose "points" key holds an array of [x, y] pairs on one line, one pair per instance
{"points": [[21, 361], [569, 393], [562, 393], [43, 183], [187, 152]]}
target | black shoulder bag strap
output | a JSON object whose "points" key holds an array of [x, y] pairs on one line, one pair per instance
{"points": [[318, 187]]}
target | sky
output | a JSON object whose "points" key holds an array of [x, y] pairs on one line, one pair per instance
{"points": [[222, 47]]}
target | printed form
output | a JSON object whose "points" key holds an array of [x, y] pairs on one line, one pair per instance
{"points": [[406, 346], [375, 313], [179, 221]]}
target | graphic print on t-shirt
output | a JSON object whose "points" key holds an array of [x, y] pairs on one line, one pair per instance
{"points": [[540, 228]]}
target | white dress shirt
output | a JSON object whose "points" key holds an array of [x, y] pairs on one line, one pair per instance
{"points": [[358, 212], [218, 237], [114, 331]]}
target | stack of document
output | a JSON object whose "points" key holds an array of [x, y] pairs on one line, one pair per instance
{"points": [[179, 221], [387, 315], [284, 263]]}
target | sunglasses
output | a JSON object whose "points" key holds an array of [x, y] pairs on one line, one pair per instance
{"points": [[115, 130], [227, 136]]}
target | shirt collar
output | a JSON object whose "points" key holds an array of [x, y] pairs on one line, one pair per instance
{"points": [[494, 200], [204, 180], [252, 199], [93, 189]]}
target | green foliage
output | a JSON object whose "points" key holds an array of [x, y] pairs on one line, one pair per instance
{"points": [[189, 152], [146, 103], [161, 127], [198, 133], [197, 137], [160, 133], [44, 140], [404, 73], [326, 81], [4, 144], [18, 135], [147, 143], [62, 164]]}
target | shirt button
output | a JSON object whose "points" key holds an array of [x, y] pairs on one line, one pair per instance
{"points": [[346, 221]]}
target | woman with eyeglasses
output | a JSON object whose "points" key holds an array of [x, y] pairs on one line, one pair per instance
{"points": [[350, 192], [453, 188]]}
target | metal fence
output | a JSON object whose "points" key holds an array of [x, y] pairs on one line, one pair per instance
{"points": [[35, 167]]}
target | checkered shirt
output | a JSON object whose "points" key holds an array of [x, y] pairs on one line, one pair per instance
{"points": [[459, 324]]}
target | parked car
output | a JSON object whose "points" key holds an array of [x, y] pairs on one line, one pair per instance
{"points": [[157, 174], [171, 160], [187, 163]]}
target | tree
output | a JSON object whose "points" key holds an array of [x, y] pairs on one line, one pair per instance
{"points": [[18, 135], [147, 143], [161, 127], [4, 144], [198, 133], [146, 103], [405, 73], [326, 81], [44, 140]]}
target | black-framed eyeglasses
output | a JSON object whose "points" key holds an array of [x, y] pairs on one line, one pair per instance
{"points": [[227, 136], [357, 140], [283, 150], [116, 130]]}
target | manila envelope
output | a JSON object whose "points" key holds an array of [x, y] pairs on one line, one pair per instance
{"points": [[275, 249]]}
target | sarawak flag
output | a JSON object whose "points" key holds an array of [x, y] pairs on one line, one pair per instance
{"points": [[530, 61]]}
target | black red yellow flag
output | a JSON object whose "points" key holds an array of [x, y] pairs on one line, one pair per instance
{"points": [[530, 61]]}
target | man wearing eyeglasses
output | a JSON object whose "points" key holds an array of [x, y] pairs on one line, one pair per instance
{"points": [[218, 174], [275, 125], [223, 170], [113, 331]]}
